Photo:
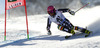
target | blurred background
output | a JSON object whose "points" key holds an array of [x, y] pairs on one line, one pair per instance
{"points": [[35, 7]]}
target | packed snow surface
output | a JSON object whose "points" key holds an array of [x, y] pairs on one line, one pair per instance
{"points": [[17, 33]]}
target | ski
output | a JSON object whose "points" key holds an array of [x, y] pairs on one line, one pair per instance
{"points": [[81, 35], [66, 37]]}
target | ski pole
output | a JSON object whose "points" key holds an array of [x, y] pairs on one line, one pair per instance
{"points": [[82, 7]]}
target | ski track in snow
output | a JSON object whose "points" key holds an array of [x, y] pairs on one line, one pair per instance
{"points": [[17, 34]]}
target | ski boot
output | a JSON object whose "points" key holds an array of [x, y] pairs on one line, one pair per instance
{"points": [[72, 32], [87, 33]]}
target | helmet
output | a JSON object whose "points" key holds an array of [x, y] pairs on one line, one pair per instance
{"points": [[50, 9]]}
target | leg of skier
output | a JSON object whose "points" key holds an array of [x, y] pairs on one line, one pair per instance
{"points": [[66, 29], [72, 28], [83, 30]]}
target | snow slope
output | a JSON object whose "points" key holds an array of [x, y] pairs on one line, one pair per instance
{"points": [[17, 37]]}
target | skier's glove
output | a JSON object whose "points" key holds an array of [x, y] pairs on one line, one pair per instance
{"points": [[49, 32], [72, 12]]}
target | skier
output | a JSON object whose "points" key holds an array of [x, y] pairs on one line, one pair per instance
{"points": [[64, 24]]}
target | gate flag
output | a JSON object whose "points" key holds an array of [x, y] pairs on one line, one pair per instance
{"points": [[9, 4], [14, 3]]}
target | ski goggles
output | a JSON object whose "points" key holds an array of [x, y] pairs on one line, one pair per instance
{"points": [[52, 11]]}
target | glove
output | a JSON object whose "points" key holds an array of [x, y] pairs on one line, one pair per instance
{"points": [[49, 32], [72, 12]]}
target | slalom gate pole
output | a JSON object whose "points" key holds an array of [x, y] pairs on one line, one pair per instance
{"points": [[82, 7], [5, 21], [26, 20]]}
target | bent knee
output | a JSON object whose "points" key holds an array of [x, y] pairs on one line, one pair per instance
{"points": [[60, 27]]}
